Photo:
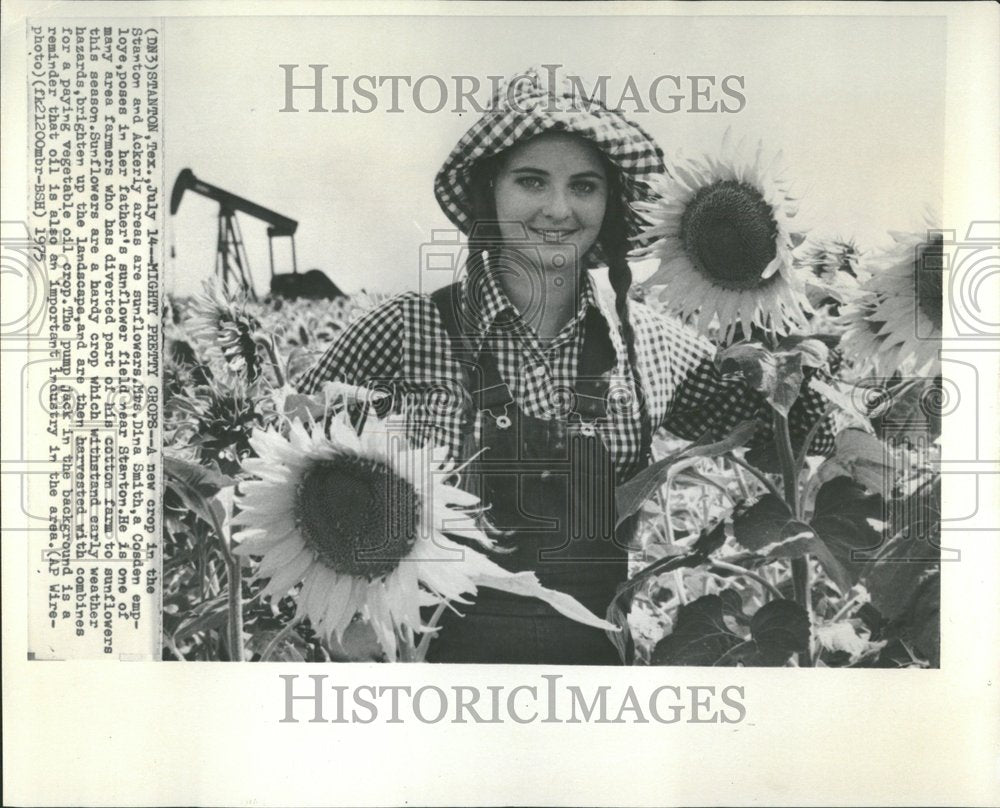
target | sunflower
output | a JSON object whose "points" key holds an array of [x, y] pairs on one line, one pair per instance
{"points": [[721, 230], [362, 526], [225, 326], [830, 260], [895, 323], [833, 271]]}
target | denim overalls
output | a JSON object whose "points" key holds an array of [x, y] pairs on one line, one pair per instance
{"points": [[549, 485]]}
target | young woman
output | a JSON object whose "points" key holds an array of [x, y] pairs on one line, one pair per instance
{"points": [[539, 365]]}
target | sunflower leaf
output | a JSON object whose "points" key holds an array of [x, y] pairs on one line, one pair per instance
{"points": [[924, 625], [788, 380], [302, 407], [709, 541], [211, 614], [777, 376], [910, 556], [914, 413], [862, 456], [769, 528], [700, 636], [779, 629], [843, 519], [630, 496], [197, 487], [205, 479], [762, 523], [815, 351], [751, 362]]}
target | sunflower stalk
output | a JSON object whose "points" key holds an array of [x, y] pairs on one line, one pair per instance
{"points": [[234, 594], [407, 648], [663, 499], [267, 344], [800, 458], [235, 609], [740, 479], [801, 578], [678, 576]]}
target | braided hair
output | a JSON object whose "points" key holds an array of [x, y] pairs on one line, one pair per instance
{"points": [[614, 245], [613, 240]]}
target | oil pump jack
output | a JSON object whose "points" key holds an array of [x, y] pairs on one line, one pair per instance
{"points": [[230, 256]]}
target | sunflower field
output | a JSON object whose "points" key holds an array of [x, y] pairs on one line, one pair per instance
{"points": [[766, 557]]}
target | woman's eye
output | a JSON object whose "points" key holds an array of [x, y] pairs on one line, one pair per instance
{"points": [[532, 183], [584, 187]]}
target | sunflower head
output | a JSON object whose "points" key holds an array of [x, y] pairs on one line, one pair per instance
{"points": [[832, 269], [830, 260], [358, 515], [359, 521], [218, 419], [729, 230], [227, 327], [722, 231], [928, 284], [894, 325]]}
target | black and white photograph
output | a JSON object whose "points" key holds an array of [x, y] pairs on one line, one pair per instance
{"points": [[630, 362], [631, 367]]}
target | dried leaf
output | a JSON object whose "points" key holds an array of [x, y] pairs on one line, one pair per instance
{"points": [[527, 585]]}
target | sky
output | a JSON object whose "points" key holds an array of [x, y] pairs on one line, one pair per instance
{"points": [[855, 104]]}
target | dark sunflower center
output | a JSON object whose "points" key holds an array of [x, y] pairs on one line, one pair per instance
{"points": [[359, 516], [846, 261], [730, 231], [930, 268]]}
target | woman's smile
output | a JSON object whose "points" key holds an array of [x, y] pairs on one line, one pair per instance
{"points": [[553, 189], [551, 235]]}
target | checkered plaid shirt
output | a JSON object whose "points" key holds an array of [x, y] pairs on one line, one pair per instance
{"points": [[402, 346]]}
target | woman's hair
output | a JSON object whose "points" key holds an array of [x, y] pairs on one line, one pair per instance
{"points": [[612, 238]]}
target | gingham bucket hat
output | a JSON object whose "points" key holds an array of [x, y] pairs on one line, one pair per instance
{"points": [[525, 106]]}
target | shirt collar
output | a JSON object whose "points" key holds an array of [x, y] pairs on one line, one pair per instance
{"points": [[485, 302]]}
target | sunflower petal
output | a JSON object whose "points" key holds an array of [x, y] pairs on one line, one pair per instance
{"points": [[284, 579]]}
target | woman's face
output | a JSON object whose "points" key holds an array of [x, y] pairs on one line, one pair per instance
{"points": [[552, 189]]}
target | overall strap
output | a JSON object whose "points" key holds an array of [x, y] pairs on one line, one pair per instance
{"points": [[480, 374], [597, 359]]}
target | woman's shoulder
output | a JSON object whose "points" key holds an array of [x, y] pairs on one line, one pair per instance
{"points": [[409, 325], [389, 338], [416, 314]]}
